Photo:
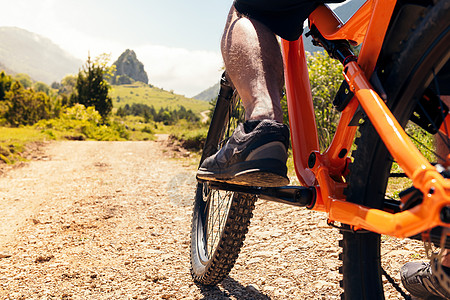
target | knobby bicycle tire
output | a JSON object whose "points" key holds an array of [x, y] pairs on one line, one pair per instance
{"points": [[220, 219], [405, 77]]}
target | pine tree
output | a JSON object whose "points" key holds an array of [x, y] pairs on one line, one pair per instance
{"points": [[92, 88]]}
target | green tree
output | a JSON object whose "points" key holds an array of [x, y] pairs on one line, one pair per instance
{"points": [[147, 116], [123, 79], [26, 107], [41, 87], [120, 112], [5, 84], [55, 85], [68, 84], [92, 88], [24, 79]]}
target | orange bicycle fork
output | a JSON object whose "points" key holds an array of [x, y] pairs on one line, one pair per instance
{"points": [[322, 171]]}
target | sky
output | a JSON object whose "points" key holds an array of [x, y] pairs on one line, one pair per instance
{"points": [[176, 40]]}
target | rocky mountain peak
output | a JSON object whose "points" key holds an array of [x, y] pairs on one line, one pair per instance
{"points": [[128, 66]]}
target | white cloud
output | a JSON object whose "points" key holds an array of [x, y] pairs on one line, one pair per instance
{"points": [[187, 72]]}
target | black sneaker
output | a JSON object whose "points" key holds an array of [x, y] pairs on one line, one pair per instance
{"points": [[255, 155], [418, 279]]}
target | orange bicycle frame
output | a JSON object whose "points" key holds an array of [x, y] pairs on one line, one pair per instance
{"points": [[325, 170]]}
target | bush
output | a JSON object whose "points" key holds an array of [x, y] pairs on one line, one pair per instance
{"points": [[41, 87], [325, 76], [25, 107], [24, 79], [147, 129], [193, 140], [85, 122], [190, 136]]}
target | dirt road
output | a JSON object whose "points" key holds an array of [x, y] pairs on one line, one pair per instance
{"points": [[111, 220]]}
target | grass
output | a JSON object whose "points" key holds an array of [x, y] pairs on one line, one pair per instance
{"points": [[13, 142], [75, 123], [191, 136], [84, 124], [138, 130], [144, 94]]}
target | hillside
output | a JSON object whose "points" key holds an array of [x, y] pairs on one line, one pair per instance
{"points": [[208, 94], [22, 51], [145, 94]]}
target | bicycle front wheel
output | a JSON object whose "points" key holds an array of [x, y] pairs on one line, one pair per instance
{"points": [[419, 71], [220, 218]]}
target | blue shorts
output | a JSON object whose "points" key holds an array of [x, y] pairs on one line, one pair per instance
{"points": [[284, 17]]}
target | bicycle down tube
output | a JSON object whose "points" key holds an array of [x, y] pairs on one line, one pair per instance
{"points": [[315, 169]]}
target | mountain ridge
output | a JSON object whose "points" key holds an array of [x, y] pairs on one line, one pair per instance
{"points": [[22, 51]]}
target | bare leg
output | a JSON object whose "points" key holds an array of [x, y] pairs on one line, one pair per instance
{"points": [[253, 61], [254, 64]]}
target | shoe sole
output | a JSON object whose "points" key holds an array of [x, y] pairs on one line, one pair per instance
{"points": [[250, 173]]}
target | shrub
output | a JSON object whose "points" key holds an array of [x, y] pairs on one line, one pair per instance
{"points": [[325, 76], [25, 107], [85, 122]]}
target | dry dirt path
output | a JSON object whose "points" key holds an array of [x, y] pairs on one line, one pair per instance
{"points": [[111, 220]]}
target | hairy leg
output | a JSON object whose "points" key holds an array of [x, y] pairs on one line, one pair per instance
{"points": [[254, 64]]}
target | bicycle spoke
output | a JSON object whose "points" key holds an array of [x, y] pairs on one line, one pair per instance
{"points": [[217, 216], [216, 220], [213, 226]]}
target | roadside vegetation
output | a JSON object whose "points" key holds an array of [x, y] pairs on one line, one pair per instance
{"points": [[86, 107]]}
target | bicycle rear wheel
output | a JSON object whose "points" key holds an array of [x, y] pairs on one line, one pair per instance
{"points": [[418, 70], [220, 218]]}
